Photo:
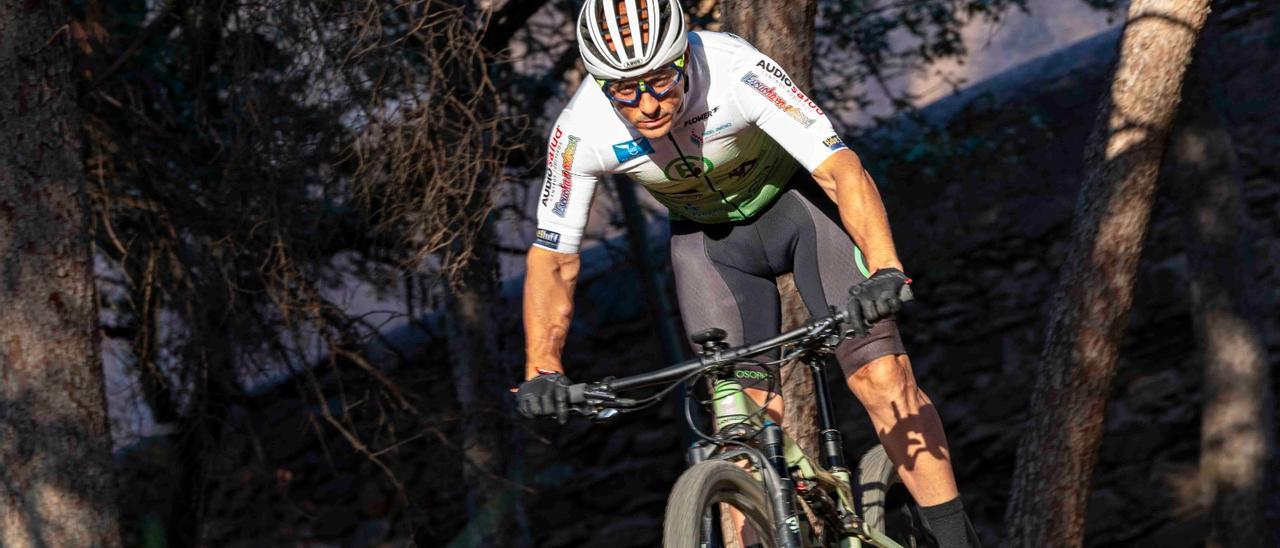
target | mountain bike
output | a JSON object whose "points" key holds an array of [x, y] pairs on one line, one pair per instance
{"points": [[748, 464]]}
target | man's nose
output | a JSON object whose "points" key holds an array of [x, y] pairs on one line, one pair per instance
{"points": [[650, 106]]}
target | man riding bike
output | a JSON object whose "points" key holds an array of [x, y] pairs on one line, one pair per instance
{"points": [[716, 131]]}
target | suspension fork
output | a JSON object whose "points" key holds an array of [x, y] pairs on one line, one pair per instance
{"points": [[731, 407], [711, 534]]}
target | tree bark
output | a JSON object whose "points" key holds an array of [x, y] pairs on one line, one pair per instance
{"points": [[57, 487], [1237, 425], [1091, 305], [784, 32]]}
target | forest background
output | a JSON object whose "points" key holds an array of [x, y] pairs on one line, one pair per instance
{"points": [[307, 220]]}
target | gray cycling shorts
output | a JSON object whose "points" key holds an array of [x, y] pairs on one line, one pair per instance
{"points": [[725, 273]]}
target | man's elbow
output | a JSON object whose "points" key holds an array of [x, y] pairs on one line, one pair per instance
{"points": [[563, 267]]}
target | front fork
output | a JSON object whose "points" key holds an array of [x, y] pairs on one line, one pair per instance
{"points": [[711, 534], [731, 407]]}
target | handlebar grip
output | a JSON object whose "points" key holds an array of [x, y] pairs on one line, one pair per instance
{"points": [[578, 393]]}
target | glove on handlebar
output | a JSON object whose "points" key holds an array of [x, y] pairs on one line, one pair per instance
{"points": [[876, 298], [544, 396]]}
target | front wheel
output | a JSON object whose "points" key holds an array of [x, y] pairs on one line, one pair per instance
{"points": [[703, 486], [885, 504]]}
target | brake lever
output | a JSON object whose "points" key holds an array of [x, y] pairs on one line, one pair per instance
{"points": [[589, 399]]}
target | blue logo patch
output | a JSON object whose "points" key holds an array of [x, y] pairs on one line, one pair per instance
{"points": [[833, 143], [630, 149], [547, 238]]}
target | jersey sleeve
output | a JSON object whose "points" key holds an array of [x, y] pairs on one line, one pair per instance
{"points": [[769, 99], [565, 199]]}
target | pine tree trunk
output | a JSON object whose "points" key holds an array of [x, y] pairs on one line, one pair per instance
{"points": [[784, 32], [57, 487], [1237, 425], [1091, 306]]}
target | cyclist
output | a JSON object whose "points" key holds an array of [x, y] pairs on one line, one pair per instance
{"points": [[717, 132]]}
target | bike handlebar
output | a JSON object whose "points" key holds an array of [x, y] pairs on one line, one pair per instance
{"points": [[604, 391]]}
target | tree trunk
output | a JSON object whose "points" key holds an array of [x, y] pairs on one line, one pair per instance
{"points": [[1236, 425], [480, 382], [784, 31], [57, 486], [1091, 306]]}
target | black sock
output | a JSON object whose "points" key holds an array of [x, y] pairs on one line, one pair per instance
{"points": [[949, 524]]}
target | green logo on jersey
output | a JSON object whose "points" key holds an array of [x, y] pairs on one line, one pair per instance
{"points": [[688, 167]]}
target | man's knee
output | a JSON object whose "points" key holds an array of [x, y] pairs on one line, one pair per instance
{"points": [[883, 380]]}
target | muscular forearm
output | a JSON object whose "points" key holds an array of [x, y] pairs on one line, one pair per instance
{"points": [[861, 209], [548, 307]]}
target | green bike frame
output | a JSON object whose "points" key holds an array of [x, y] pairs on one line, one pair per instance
{"points": [[731, 406]]}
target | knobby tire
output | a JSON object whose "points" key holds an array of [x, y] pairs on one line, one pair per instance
{"points": [[885, 504], [711, 482]]}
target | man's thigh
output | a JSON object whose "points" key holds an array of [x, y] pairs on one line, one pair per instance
{"points": [[827, 264]]}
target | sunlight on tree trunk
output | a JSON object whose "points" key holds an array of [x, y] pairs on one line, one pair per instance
{"points": [[1236, 424], [1057, 453], [56, 483]]}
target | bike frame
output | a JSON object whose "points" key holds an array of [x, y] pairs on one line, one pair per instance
{"points": [[777, 454], [733, 408]]}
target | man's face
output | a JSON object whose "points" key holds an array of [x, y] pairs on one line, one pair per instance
{"points": [[651, 116]]}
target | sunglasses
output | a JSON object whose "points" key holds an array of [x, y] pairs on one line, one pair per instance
{"points": [[658, 83]]}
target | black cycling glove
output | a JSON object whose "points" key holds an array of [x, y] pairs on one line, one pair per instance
{"points": [[543, 396], [876, 298]]}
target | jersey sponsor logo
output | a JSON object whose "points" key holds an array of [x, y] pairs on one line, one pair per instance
{"points": [[701, 117], [552, 147], [688, 167], [717, 129], [627, 150], [775, 71], [781, 76], [695, 137], [771, 94], [547, 187], [547, 238], [566, 175], [833, 143]]}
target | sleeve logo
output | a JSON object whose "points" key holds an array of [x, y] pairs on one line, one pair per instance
{"points": [[627, 150], [833, 143], [566, 175], [781, 76], [770, 94], [547, 238]]}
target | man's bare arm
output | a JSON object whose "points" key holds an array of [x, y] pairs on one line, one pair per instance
{"points": [[861, 210], [548, 307]]}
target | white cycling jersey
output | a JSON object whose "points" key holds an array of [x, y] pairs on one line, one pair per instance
{"points": [[741, 131]]}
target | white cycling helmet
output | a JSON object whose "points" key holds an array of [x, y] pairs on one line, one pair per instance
{"points": [[605, 27]]}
